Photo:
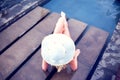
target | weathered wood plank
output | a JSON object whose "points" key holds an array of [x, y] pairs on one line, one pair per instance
{"points": [[19, 51], [31, 70], [81, 72], [21, 26], [90, 46], [76, 28], [37, 66], [48, 24]]}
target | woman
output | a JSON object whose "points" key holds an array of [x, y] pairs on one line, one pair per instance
{"points": [[61, 29]]}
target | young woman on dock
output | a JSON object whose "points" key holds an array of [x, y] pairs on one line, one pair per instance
{"points": [[58, 49]]}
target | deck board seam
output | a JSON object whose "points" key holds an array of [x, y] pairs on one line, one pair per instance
{"points": [[21, 35]]}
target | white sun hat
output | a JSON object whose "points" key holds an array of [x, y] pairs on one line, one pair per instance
{"points": [[57, 49]]}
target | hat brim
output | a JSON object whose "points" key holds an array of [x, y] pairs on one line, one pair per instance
{"points": [[52, 49]]}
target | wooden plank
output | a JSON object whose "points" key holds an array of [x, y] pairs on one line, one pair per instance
{"points": [[81, 72], [21, 26], [76, 28], [48, 24], [22, 73], [31, 70], [90, 46], [19, 51]]}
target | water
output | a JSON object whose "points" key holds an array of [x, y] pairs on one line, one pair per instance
{"points": [[5, 4], [103, 14], [100, 13]]}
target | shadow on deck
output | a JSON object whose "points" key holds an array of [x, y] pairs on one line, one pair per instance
{"points": [[20, 45]]}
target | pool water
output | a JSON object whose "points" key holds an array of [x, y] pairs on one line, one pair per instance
{"points": [[103, 14]]}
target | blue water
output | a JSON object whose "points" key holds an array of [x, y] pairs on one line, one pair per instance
{"points": [[103, 14]]}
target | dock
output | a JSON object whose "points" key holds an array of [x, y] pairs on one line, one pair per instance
{"points": [[20, 46]]}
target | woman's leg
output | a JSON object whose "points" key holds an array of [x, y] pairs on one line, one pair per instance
{"points": [[74, 62], [62, 26], [59, 28], [44, 65]]}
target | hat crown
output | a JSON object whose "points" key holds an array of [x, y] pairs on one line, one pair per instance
{"points": [[57, 52]]}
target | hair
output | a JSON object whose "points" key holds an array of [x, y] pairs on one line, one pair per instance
{"points": [[61, 67]]}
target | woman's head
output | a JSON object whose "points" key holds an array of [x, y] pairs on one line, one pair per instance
{"points": [[57, 49], [59, 68]]}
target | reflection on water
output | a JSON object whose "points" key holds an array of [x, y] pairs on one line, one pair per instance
{"points": [[103, 14], [111, 8], [117, 2]]}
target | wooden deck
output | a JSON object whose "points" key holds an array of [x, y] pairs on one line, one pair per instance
{"points": [[20, 45]]}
